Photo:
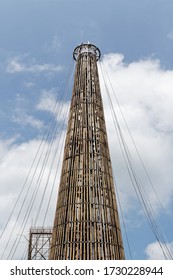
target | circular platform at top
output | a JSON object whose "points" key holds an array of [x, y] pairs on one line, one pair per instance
{"points": [[86, 48]]}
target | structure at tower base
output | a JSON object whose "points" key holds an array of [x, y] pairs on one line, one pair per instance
{"points": [[39, 243], [86, 224]]}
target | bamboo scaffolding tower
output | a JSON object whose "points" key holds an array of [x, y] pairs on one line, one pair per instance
{"points": [[86, 224]]}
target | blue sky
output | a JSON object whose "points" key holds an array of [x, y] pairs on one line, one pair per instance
{"points": [[37, 39]]}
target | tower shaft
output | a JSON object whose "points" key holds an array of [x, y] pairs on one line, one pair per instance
{"points": [[86, 225]]}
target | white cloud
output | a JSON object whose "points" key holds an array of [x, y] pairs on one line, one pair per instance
{"points": [[154, 250], [24, 119], [29, 84], [22, 113], [170, 35], [144, 91], [49, 102], [93, 24], [15, 66], [16, 160], [55, 44], [5, 147]]}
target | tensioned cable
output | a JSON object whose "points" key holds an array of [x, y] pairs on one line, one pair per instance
{"points": [[55, 173], [79, 81], [135, 146], [25, 197], [123, 220], [121, 212], [163, 237], [12, 212], [25, 252], [30, 207], [44, 140], [135, 181], [32, 201], [117, 191], [159, 237], [53, 185], [148, 209], [53, 160], [41, 174], [51, 192]]}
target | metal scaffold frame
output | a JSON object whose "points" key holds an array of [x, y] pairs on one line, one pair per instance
{"points": [[39, 243]]}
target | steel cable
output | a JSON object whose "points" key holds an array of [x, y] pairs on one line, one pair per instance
{"points": [[137, 186]]}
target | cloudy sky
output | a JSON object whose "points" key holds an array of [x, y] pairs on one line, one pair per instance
{"points": [[37, 39]]}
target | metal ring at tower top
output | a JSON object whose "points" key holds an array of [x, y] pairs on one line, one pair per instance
{"points": [[86, 48]]}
